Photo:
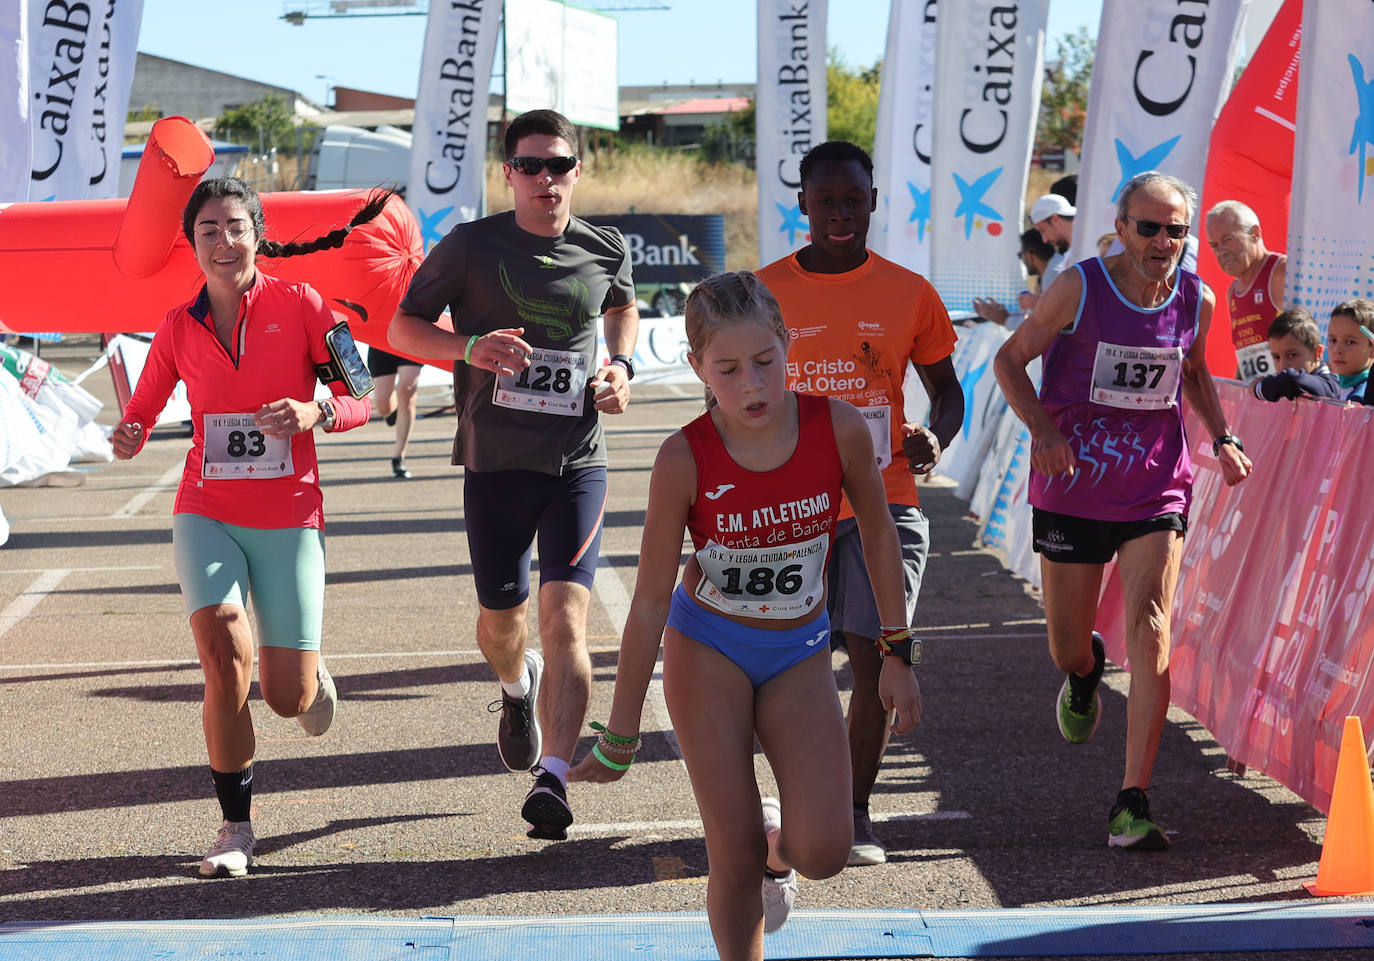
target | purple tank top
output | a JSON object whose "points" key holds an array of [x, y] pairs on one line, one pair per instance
{"points": [[1112, 381]]}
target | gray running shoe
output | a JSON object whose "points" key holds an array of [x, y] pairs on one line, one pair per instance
{"points": [[316, 718], [232, 852], [866, 849], [546, 808], [779, 893], [518, 738]]}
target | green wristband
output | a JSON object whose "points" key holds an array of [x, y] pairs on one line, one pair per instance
{"points": [[596, 753], [616, 739], [467, 354]]}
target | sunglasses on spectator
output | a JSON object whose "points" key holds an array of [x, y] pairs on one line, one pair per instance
{"points": [[531, 166], [1148, 228]]}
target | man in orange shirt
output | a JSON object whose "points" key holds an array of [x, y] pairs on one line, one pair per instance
{"points": [[856, 320]]}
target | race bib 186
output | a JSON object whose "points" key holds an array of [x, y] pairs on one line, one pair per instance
{"points": [[1136, 378], [553, 383], [236, 448], [777, 582]]}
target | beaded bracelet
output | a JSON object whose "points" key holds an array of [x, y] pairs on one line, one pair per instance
{"points": [[467, 354]]}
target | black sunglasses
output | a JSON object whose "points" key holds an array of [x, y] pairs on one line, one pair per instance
{"points": [[1148, 228], [532, 165]]}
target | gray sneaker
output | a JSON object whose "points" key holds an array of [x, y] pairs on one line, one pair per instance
{"points": [[866, 849], [779, 893], [518, 737], [316, 718], [232, 852]]}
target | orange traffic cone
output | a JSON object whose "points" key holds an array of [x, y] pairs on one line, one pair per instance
{"points": [[1347, 864]]}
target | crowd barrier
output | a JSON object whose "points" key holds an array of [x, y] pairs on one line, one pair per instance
{"points": [[1271, 617]]}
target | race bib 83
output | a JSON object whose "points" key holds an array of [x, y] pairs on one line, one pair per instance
{"points": [[236, 448]]}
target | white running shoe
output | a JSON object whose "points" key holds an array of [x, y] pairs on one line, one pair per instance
{"points": [[316, 718], [779, 894], [232, 852]]}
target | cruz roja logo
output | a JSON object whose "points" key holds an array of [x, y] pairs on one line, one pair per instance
{"points": [[971, 204], [1363, 134]]}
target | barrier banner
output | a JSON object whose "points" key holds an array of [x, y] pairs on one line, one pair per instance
{"points": [[1250, 159], [670, 248], [789, 116], [79, 59], [1163, 72], [449, 149], [1330, 249], [900, 229], [983, 404], [989, 70], [1273, 617]]}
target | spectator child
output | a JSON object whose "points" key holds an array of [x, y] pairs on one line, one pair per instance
{"points": [[1295, 344], [1350, 346]]}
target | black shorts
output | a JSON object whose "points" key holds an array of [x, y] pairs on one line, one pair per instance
{"points": [[381, 363], [1066, 539], [505, 510]]}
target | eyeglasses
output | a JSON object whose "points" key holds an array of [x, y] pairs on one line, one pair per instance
{"points": [[233, 232], [1148, 228], [531, 166]]}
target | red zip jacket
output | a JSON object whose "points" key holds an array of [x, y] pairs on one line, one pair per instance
{"points": [[278, 339]]}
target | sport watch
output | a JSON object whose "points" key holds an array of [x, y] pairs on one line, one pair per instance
{"points": [[908, 651], [625, 362], [326, 414], [1225, 439]]}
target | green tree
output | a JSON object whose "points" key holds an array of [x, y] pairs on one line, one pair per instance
{"points": [[1064, 100], [265, 123], [851, 101]]}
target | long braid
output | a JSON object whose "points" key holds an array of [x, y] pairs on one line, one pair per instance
{"points": [[335, 238]]}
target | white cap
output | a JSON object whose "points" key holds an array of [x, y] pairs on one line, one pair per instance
{"points": [[1049, 205]]}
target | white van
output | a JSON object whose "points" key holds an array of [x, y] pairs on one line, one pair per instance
{"points": [[351, 157]]}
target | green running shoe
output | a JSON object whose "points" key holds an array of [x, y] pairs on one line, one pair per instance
{"points": [[1079, 706], [1130, 826]]}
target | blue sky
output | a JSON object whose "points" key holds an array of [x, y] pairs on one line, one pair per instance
{"points": [[694, 40]]}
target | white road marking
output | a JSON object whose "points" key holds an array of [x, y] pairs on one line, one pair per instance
{"points": [[694, 824], [166, 482], [610, 590], [19, 608]]}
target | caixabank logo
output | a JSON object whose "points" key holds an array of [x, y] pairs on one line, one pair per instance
{"points": [[973, 208], [1363, 134]]}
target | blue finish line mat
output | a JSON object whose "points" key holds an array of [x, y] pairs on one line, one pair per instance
{"points": [[1023, 932]]}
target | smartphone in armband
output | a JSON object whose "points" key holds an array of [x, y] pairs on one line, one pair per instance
{"points": [[345, 363]]}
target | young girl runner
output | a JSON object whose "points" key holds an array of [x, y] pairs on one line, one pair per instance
{"points": [[757, 481]]}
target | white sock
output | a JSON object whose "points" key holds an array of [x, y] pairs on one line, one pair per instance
{"points": [[557, 767], [521, 687]]}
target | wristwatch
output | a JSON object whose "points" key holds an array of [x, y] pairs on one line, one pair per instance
{"points": [[326, 414], [625, 362], [908, 651], [1225, 439]]}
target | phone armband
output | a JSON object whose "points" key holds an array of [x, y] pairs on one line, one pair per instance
{"points": [[345, 363]]}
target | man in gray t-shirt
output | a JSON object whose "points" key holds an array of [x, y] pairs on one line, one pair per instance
{"points": [[524, 289]]}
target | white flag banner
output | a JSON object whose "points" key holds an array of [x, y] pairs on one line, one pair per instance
{"points": [[1162, 72], [449, 146], [14, 102], [789, 116], [80, 68], [1330, 247], [989, 71], [115, 51], [900, 230]]}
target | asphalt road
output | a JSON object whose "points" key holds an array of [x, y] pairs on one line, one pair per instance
{"points": [[404, 808]]}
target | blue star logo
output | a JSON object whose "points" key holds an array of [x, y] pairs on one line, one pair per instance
{"points": [[1363, 134], [1132, 165], [430, 224], [920, 210], [971, 199], [791, 221]]}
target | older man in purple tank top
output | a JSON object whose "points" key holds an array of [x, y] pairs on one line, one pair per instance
{"points": [[1123, 340]]}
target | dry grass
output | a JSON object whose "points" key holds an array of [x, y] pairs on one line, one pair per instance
{"points": [[665, 182]]}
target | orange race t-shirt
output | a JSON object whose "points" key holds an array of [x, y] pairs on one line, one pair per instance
{"points": [[852, 335]]}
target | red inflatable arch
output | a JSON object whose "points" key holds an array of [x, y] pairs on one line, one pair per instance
{"points": [[119, 265]]}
